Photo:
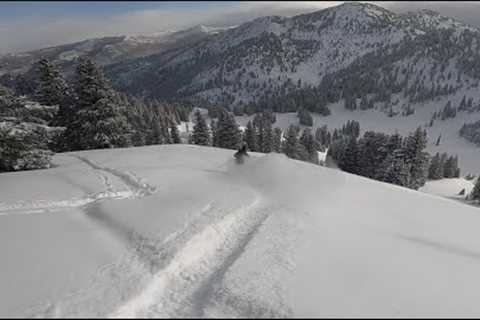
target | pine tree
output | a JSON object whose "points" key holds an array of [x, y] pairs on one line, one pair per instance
{"points": [[228, 134], [250, 137], [322, 135], [157, 134], [290, 147], [416, 158], [397, 171], [475, 195], [258, 123], [277, 140], [308, 142], [201, 134], [213, 129], [267, 137], [305, 118], [349, 161], [435, 171], [98, 121], [52, 89], [174, 135]]}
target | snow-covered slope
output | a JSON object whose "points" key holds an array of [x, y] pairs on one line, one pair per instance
{"points": [[181, 230], [275, 54], [105, 50], [449, 188]]}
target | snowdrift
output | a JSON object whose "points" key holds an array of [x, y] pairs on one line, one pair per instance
{"points": [[182, 230]]}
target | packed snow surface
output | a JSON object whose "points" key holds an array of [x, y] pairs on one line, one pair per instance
{"points": [[184, 231]]}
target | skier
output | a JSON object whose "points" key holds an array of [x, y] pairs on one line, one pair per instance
{"points": [[241, 153]]}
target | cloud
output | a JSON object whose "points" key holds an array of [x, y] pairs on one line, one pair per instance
{"points": [[28, 33]]}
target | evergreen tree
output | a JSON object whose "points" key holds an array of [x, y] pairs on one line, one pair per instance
{"points": [[397, 171], [201, 134], [98, 121], [435, 170], [308, 142], [52, 89], [416, 158], [336, 151], [174, 135], [277, 140], [323, 137], [157, 134], [267, 137], [228, 134], [349, 162], [475, 195], [250, 137], [290, 147], [450, 168], [213, 128], [305, 118], [373, 149]]}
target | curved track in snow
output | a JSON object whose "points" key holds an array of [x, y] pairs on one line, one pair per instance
{"points": [[136, 188]]}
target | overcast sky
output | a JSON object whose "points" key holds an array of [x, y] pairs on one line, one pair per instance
{"points": [[32, 25]]}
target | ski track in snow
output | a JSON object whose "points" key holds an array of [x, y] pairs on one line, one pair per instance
{"points": [[137, 188], [173, 291]]}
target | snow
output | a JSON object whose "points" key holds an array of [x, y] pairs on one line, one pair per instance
{"points": [[449, 188], [183, 231]]}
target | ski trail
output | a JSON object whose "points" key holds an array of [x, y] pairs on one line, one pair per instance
{"points": [[174, 289], [49, 206], [137, 188]]}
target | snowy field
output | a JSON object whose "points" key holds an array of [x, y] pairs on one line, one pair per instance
{"points": [[182, 231]]}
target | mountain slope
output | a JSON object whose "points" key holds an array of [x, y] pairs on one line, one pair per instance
{"points": [[104, 51], [182, 230], [271, 56]]}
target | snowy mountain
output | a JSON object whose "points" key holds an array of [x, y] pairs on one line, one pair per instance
{"points": [[181, 230], [418, 56], [105, 50]]}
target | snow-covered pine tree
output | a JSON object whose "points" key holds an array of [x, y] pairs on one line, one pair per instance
{"points": [[98, 121], [267, 136], [213, 129], [349, 162], [308, 142], [22, 150], [397, 171], [277, 140], [435, 171], [450, 167], [174, 135], [416, 157], [250, 137], [291, 141], [201, 134], [323, 137], [258, 123], [304, 117], [228, 134], [475, 194], [52, 89]]}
